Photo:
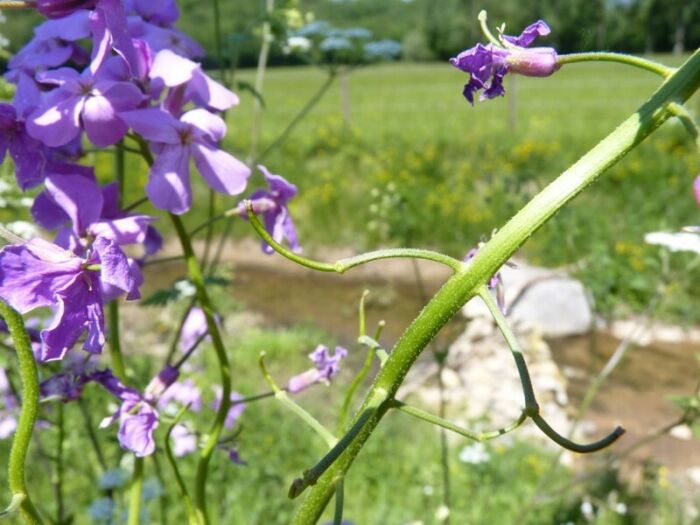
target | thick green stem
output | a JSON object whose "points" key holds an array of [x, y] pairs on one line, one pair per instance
{"points": [[197, 278], [135, 493], [620, 58], [27, 416], [465, 283]]}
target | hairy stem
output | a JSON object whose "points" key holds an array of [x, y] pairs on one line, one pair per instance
{"points": [[27, 416]]}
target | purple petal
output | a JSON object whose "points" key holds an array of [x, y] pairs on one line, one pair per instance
{"points": [[59, 77], [73, 27], [114, 266], [126, 230], [163, 12], [222, 172], [47, 213], [172, 69], [207, 92], [115, 20], [168, 187], [529, 34], [29, 161], [281, 188], [696, 189], [153, 124], [79, 308], [210, 124], [58, 124], [136, 430], [102, 125], [79, 197], [31, 274], [184, 440]]}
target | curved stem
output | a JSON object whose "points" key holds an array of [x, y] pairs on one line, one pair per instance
{"points": [[191, 516], [135, 493], [485, 29], [27, 416], [514, 346], [443, 423], [343, 265], [195, 275], [621, 58], [570, 445], [464, 284], [282, 397]]}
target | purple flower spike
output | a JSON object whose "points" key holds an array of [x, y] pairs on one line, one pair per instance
{"points": [[272, 204], [487, 65], [194, 135], [327, 367]]}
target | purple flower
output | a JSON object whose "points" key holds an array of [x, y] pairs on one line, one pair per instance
{"points": [[160, 384], [234, 412], [184, 440], [194, 135], [487, 65], [91, 211], [696, 189], [159, 38], [24, 150], [61, 8], [137, 418], [194, 327], [188, 83], [82, 100], [272, 204], [38, 274], [326, 368], [184, 393]]}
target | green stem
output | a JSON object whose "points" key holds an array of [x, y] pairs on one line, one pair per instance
{"points": [[27, 416], [375, 347], [344, 265], [191, 515], [465, 283], [315, 98], [482, 17], [90, 428], [135, 493], [621, 58], [163, 498], [514, 346], [260, 79], [282, 397], [59, 463], [115, 347], [448, 425], [195, 275], [339, 502]]}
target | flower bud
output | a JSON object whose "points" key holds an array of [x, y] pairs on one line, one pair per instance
{"points": [[532, 62]]}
